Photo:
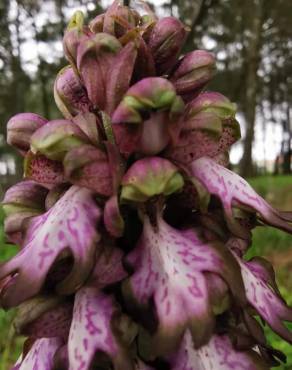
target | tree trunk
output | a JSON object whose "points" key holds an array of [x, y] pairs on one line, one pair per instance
{"points": [[287, 150], [253, 61]]}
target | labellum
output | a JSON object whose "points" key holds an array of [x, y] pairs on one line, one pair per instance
{"points": [[132, 230]]}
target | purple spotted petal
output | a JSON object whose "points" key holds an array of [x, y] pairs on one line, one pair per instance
{"points": [[41, 354], [68, 226], [45, 171], [169, 266], [91, 331], [209, 129], [234, 191], [264, 299], [218, 354]]}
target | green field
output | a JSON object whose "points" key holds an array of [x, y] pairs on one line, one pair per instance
{"points": [[268, 242]]}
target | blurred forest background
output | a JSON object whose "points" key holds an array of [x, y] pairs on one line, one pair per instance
{"points": [[252, 41]]}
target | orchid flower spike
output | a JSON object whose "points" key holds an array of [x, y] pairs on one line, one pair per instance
{"points": [[132, 231]]}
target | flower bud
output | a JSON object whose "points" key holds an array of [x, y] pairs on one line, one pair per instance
{"points": [[22, 201], [149, 177], [195, 70], [143, 120], [166, 40], [119, 19], [70, 96], [153, 93], [212, 102], [94, 60], [75, 33], [120, 76], [20, 129], [56, 138], [96, 24], [88, 166], [209, 129]]}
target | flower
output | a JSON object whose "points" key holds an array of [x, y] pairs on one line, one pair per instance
{"points": [[132, 230]]}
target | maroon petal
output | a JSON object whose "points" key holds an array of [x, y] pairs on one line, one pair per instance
{"points": [[120, 77], [88, 166], [44, 317]]}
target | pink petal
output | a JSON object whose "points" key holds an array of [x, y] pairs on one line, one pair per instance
{"points": [[91, 331], [218, 354], [41, 354], [169, 266], [264, 299], [69, 225], [233, 191]]}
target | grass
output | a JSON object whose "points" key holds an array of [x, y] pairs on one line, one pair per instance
{"points": [[269, 242], [10, 345], [276, 245]]}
